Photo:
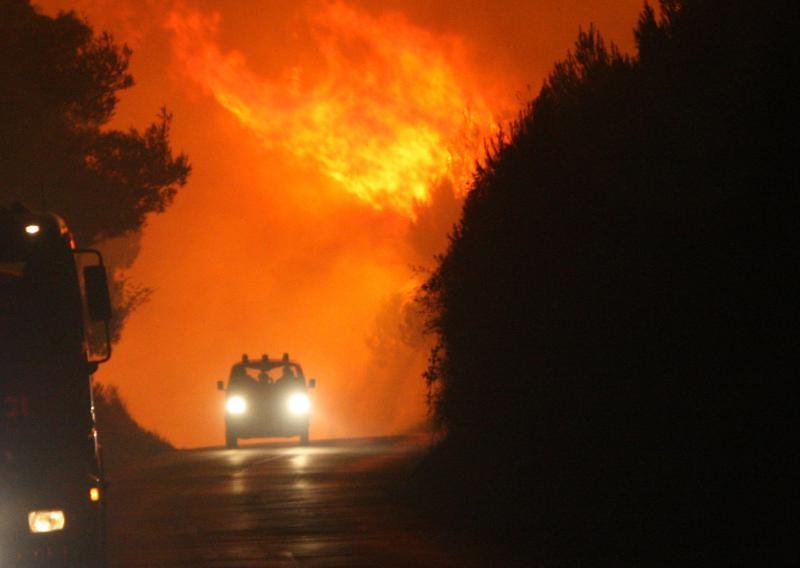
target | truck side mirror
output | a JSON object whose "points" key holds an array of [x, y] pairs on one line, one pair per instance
{"points": [[97, 293], [220, 385], [312, 383]]}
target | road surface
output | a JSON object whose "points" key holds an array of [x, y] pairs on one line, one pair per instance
{"points": [[327, 504]]}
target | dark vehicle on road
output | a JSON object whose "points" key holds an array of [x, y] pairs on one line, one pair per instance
{"points": [[52, 296], [266, 398]]}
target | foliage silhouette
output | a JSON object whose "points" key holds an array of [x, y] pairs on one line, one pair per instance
{"points": [[124, 441], [611, 376], [60, 85]]}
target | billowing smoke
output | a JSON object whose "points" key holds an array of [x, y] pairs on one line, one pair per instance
{"points": [[331, 143]]}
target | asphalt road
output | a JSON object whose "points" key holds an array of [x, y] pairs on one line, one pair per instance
{"points": [[327, 504]]}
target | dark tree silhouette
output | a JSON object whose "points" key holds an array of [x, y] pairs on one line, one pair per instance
{"points": [[612, 375], [59, 87], [59, 84], [124, 442]]}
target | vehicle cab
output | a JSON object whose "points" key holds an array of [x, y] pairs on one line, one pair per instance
{"points": [[52, 294], [266, 398]]}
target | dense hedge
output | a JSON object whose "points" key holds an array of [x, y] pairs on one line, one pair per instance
{"points": [[124, 442], [612, 376]]}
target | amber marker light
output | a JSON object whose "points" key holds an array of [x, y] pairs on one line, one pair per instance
{"points": [[94, 494]]}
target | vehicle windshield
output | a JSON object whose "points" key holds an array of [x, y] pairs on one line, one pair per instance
{"points": [[19, 319], [44, 391], [38, 359], [41, 309], [275, 373]]}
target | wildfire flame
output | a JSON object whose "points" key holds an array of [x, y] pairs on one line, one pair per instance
{"points": [[390, 114]]}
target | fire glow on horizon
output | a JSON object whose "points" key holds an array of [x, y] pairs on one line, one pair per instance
{"points": [[388, 113], [331, 144]]}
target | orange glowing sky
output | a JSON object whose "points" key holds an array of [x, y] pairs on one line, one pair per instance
{"points": [[330, 143]]}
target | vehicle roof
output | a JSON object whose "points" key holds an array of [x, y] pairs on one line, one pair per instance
{"points": [[265, 363], [15, 244], [19, 214]]}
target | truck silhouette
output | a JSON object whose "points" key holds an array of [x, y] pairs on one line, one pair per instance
{"points": [[51, 478]]}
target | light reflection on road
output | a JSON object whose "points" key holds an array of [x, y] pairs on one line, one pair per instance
{"points": [[273, 505], [300, 461]]}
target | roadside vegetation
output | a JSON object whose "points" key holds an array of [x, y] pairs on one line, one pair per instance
{"points": [[61, 84], [612, 378], [124, 442]]}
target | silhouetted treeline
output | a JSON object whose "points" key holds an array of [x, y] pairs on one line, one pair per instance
{"points": [[123, 440], [614, 310], [59, 87]]}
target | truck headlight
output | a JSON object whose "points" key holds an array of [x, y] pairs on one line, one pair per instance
{"points": [[236, 405], [298, 403], [46, 521]]}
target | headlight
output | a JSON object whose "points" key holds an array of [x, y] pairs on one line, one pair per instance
{"points": [[46, 521], [236, 405], [298, 403]]}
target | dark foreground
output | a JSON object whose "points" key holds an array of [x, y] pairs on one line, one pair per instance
{"points": [[328, 504]]}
